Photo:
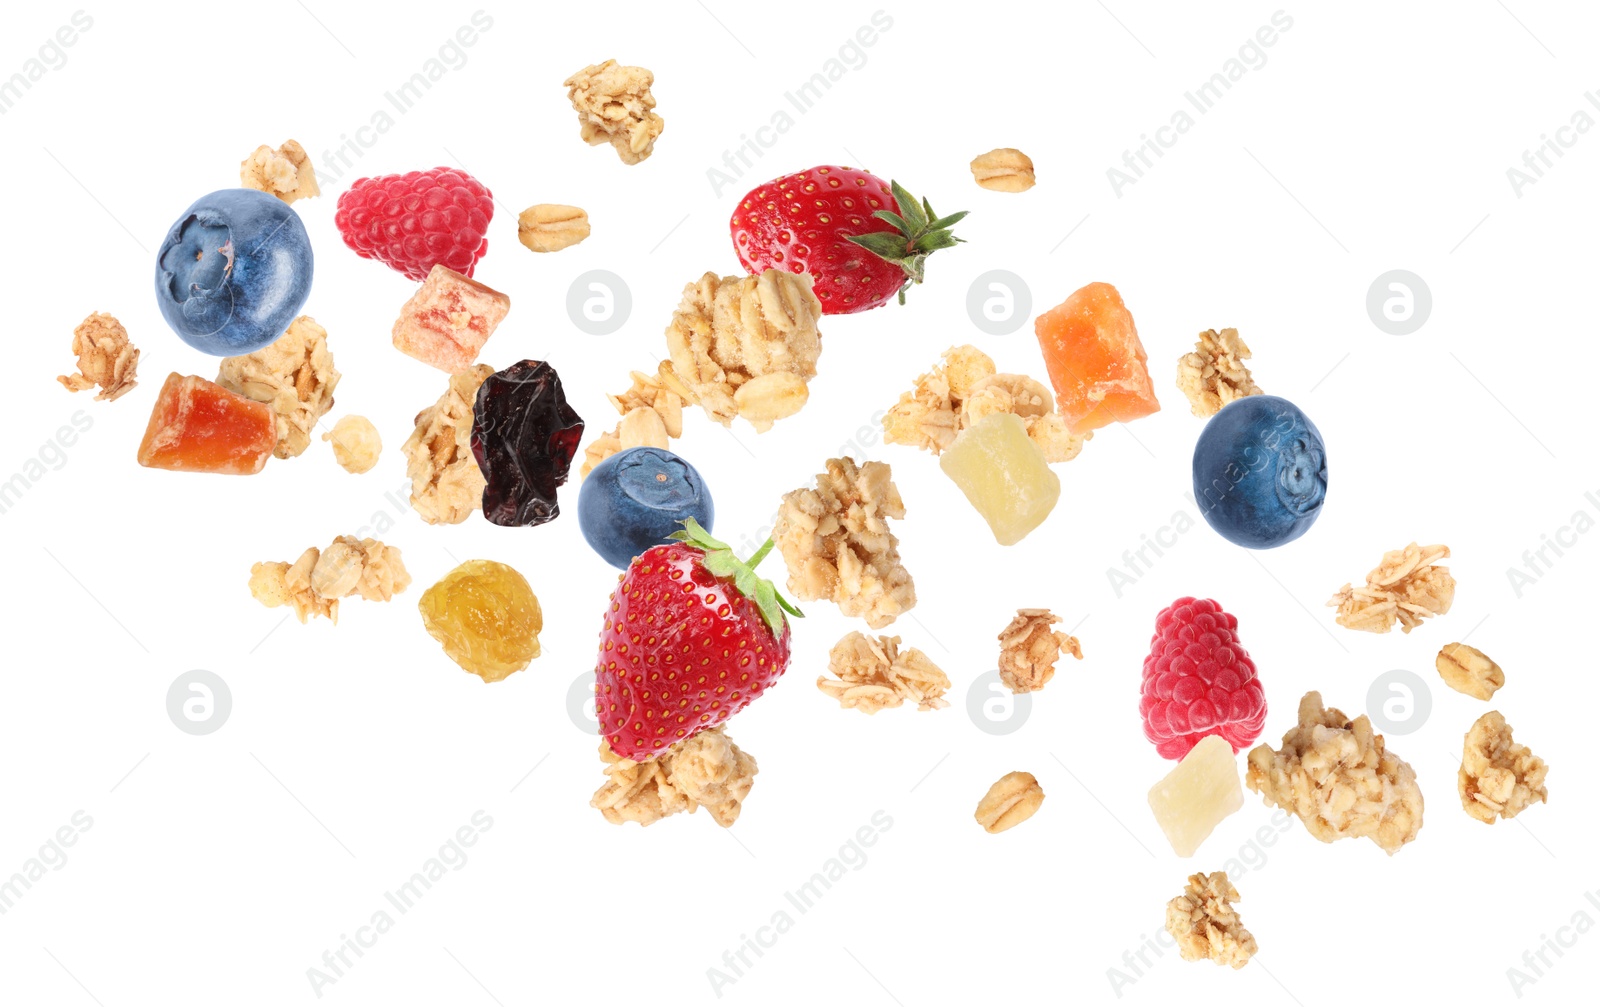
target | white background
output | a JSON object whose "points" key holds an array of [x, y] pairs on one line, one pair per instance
{"points": [[218, 869]]}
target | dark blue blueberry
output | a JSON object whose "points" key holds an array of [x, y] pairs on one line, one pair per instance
{"points": [[1260, 472], [636, 498], [233, 272]]}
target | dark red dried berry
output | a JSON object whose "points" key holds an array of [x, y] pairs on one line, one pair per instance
{"points": [[524, 436]]}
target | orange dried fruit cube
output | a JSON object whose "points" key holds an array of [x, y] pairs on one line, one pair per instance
{"points": [[200, 426], [449, 318], [1095, 360]]}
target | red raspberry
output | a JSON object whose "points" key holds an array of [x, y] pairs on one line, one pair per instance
{"points": [[418, 220], [1198, 681]]}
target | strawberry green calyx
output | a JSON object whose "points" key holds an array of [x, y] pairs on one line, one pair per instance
{"points": [[721, 562], [919, 233]]}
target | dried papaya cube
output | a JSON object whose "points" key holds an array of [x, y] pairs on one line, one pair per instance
{"points": [[1095, 360], [449, 318], [200, 426]]}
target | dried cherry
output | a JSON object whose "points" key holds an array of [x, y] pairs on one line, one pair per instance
{"points": [[524, 435]]}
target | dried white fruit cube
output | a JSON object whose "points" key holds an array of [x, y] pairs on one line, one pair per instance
{"points": [[1199, 793], [1004, 476]]}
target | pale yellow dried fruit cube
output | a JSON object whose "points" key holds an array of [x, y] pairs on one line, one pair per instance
{"points": [[1004, 476], [1199, 793]]}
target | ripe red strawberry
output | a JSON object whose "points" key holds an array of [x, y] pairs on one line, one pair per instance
{"points": [[863, 240], [691, 637], [417, 220], [1199, 681]]}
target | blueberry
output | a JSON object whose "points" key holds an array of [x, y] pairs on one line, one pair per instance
{"points": [[636, 498], [233, 272], [1260, 472]]}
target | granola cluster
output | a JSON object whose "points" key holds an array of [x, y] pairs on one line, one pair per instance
{"points": [[313, 584], [1407, 587], [1337, 776], [651, 411], [837, 545], [286, 172], [1498, 777], [356, 444], [1214, 373], [1029, 649], [746, 345], [105, 358], [1010, 801], [294, 375], [446, 485], [875, 674], [962, 389], [615, 106], [1204, 923], [1469, 670], [706, 770]]}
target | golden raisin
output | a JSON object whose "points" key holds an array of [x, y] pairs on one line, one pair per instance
{"points": [[486, 616]]}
